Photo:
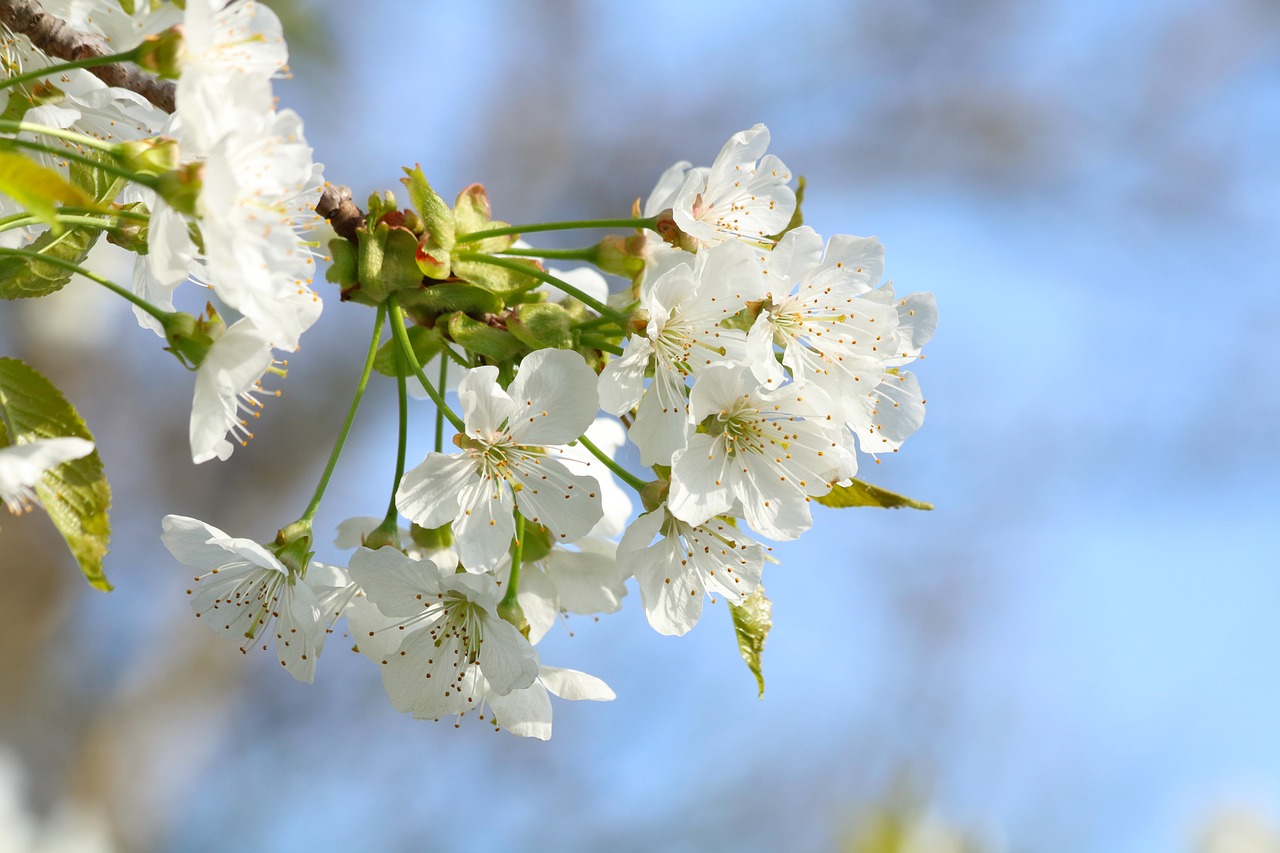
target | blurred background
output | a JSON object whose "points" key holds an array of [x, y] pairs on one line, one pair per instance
{"points": [[1076, 651]]}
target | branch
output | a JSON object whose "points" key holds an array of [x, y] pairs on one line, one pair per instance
{"points": [[55, 38]]}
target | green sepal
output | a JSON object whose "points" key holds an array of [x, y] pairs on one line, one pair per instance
{"points": [[537, 543], [433, 250], [542, 325], [380, 204], [448, 296], [858, 493], [502, 281], [386, 261], [426, 343], [75, 494], [431, 538], [797, 218], [475, 336], [37, 188], [344, 266], [752, 620]]}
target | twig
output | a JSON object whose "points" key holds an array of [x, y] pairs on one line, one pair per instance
{"points": [[55, 38]]}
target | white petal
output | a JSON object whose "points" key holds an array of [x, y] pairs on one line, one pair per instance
{"points": [[430, 492], [702, 480], [621, 383], [483, 529], [567, 504], [507, 659], [485, 406], [574, 685], [586, 582], [555, 397], [526, 713], [300, 631], [398, 585]]}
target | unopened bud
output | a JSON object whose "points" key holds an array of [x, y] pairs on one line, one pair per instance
{"points": [[152, 156], [162, 54], [181, 187]]}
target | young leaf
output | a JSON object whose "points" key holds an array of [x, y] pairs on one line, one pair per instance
{"points": [[858, 493], [22, 278], [752, 620], [37, 188], [75, 494]]}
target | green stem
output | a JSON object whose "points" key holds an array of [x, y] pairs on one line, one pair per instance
{"points": [[444, 377], [459, 360], [507, 263], [61, 219], [623, 474], [651, 223], [517, 553], [602, 345], [310, 512], [87, 62], [391, 519], [92, 276], [587, 254], [402, 337]]}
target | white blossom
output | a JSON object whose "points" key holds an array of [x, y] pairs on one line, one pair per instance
{"points": [[771, 450], [230, 54], [505, 463], [687, 563], [227, 390], [259, 192], [742, 196], [683, 336], [436, 625], [242, 588]]}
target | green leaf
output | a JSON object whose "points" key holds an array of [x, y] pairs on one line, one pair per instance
{"points": [[37, 188], [494, 344], [542, 325], [24, 278], [426, 344], [752, 620], [75, 494], [859, 493]]}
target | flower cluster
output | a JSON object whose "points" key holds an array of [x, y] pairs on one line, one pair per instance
{"points": [[740, 360], [752, 362], [225, 184]]}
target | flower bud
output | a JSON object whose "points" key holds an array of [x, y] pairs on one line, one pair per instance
{"points": [[152, 156], [181, 187], [162, 54]]}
